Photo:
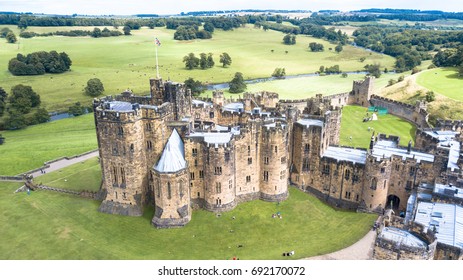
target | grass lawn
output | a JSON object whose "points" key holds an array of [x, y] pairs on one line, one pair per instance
{"points": [[80, 176], [131, 60], [352, 125], [444, 81], [29, 148], [47, 225]]}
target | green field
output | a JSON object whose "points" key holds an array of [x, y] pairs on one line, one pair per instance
{"points": [[52, 226], [444, 81], [29, 148], [129, 61], [352, 125]]}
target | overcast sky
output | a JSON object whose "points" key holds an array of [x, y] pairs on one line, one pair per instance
{"points": [[130, 7]]}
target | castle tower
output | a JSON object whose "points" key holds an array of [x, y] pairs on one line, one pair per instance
{"points": [[274, 171], [361, 92], [171, 181], [218, 98], [376, 184]]}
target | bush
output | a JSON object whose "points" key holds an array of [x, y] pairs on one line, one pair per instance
{"points": [[94, 87], [237, 84], [430, 96]]}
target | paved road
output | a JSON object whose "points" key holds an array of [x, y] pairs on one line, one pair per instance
{"points": [[65, 162]]}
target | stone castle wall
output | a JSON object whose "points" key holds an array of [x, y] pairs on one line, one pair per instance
{"points": [[414, 114]]}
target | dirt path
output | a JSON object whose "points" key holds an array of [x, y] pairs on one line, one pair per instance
{"points": [[65, 163]]}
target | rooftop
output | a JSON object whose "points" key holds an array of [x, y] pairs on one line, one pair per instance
{"points": [[118, 106], [447, 219], [450, 191], [173, 156], [402, 237], [346, 154], [201, 103], [310, 122], [234, 107], [213, 137], [387, 149]]}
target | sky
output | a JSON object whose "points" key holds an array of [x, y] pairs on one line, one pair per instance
{"points": [[131, 7]]}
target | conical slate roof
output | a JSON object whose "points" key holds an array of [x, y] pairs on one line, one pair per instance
{"points": [[173, 156]]}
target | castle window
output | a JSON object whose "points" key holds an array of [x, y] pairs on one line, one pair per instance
{"points": [[211, 115], [249, 160], [151, 177], [218, 187], [374, 182], [397, 167], [326, 169], [306, 148], [248, 179], [199, 194], [201, 174], [276, 149], [383, 170], [218, 170], [180, 188], [230, 184], [227, 156], [196, 162], [123, 175], [347, 174], [131, 148], [249, 150], [412, 170], [148, 127], [149, 145], [355, 178], [115, 194], [218, 201], [357, 197], [120, 131], [408, 186], [115, 150], [158, 189], [169, 191], [385, 183], [283, 159], [197, 116], [124, 196], [115, 174], [194, 152], [265, 176], [282, 174], [347, 195], [192, 175], [266, 160], [305, 165]]}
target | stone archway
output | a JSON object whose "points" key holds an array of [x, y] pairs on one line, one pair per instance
{"points": [[394, 201]]}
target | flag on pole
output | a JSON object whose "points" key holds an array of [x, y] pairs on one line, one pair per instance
{"points": [[158, 43]]}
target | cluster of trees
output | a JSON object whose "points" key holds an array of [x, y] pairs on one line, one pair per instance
{"points": [[191, 33], [39, 63], [289, 39], [330, 70], [77, 109], [205, 61], [196, 87], [96, 33], [237, 85], [373, 69], [316, 47], [279, 73], [451, 57], [19, 105], [94, 87], [8, 35]]}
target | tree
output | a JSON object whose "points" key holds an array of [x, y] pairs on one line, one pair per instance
{"points": [[76, 110], [210, 61], [338, 48], [316, 47], [225, 59], [430, 96], [11, 38], [237, 84], [460, 70], [373, 69], [203, 61], [15, 120], [96, 33], [279, 73], [41, 116], [289, 39], [23, 98], [4, 31], [127, 30], [196, 87], [94, 87], [191, 61], [209, 27], [3, 97]]}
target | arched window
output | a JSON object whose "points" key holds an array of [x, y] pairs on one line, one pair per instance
{"points": [[169, 191], [180, 188], [347, 174], [374, 182]]}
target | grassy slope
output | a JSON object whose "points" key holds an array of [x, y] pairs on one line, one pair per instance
{"points": [[353, 125], [128, 61], [445, 81], [28, 148], [35, 225]]}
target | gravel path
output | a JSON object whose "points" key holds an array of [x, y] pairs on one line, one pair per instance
{"points": [[64, 163]]}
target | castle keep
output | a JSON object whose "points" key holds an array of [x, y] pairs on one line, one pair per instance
{"points": [[177, 153]]}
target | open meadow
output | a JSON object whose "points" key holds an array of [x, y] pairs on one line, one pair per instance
{"points": [[54, 226], [129, 61]]}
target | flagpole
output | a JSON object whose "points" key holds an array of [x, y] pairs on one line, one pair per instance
{"points": [[157, 65]]}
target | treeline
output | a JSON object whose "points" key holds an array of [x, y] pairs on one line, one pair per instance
{"points": [[96, 33], [408, 46], [39, 63]]}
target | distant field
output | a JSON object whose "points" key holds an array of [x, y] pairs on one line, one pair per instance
{"points": [[352, 125], [129, 61], [54, 226], [29, 148], [305, 87], [445, 81]]}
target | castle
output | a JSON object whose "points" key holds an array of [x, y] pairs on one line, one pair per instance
{"points": [[177, 153]]}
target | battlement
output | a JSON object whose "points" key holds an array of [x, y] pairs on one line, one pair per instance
{"points": [[392, 101], [393, 138], [456, 125]]}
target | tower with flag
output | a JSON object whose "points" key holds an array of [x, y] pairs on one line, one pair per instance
{"points": [[157, 43]]}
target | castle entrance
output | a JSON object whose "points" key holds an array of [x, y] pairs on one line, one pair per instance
{"points": [[393, 202]]}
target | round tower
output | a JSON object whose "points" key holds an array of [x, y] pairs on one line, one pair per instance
{"points": [[171, 186], [376, 183], [274, 153]]}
